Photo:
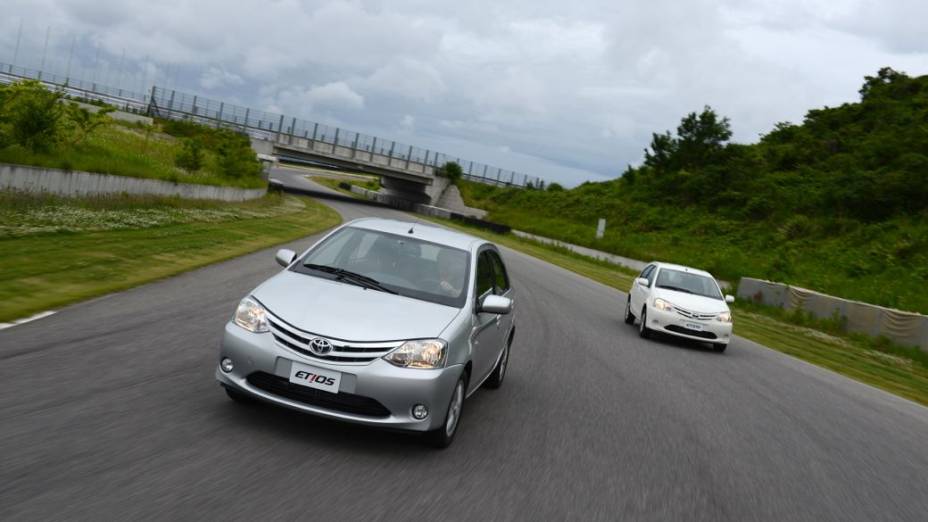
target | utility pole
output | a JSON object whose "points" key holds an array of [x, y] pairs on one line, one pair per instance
{"points": [[67, 74], [48, 32], [19, 36]]}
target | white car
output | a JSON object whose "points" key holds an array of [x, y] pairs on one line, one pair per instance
{"points": [[680, 301]]}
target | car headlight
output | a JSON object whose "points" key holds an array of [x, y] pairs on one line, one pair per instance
{"points": [[424, 353], [725, 317], [251, 316], [662, 305]]}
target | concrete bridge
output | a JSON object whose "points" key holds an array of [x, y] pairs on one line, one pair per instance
{"points": [[401, 176]]}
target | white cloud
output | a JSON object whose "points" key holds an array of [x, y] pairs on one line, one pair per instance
{"points": [[569, 90]]}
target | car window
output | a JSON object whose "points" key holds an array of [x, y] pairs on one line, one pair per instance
{"points": [[500, 277], [484, 274], [689, 283], [401, 263], [646, 273]]}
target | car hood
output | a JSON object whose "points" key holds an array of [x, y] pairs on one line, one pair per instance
{"points": [[348, 312], [691, 302]]}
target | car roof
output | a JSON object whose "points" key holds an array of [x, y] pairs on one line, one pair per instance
{"points": [[423, 231], [681, 268]]}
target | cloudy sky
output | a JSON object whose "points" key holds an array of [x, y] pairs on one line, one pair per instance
{"points": [[567, 90]]}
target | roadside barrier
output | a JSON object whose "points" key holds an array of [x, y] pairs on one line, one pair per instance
{"points": [[905, 328]]}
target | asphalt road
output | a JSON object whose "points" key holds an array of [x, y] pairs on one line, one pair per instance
{"points": [[109, 410]]}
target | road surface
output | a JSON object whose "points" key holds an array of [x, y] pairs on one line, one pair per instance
{"points": [[109, 411]]}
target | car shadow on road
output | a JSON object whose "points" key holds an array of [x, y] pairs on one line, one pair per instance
{"points": [[686, 344], [332, 434]]}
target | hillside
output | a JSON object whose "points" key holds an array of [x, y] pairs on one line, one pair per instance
{"points": [[837, 203]]}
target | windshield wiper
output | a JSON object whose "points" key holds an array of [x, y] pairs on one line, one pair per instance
{"points": [[677, 288], [354, 277]]}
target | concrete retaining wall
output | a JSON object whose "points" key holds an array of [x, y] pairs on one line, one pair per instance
{"points": [[65, 183], [902, 327]]}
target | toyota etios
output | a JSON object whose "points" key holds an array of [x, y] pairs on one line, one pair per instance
{"points": [[680, 301], [382, 322]]}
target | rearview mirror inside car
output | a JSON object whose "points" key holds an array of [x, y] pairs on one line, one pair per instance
{"points": [[285, 256], [495, 304]]}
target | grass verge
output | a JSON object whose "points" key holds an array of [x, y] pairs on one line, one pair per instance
{"points": [[54, 252], [899, 370]]}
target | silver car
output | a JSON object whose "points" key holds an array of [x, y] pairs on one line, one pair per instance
{"points": [[382, 322]]}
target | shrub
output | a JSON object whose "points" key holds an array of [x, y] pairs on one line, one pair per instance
{"points": [[190, 156], [451, 170], [30, 115]]}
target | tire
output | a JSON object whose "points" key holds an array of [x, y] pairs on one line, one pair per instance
{"points": [[444, 436], [237, 396], [629, 316], [643, 331], [495, 380], [719, 347]]}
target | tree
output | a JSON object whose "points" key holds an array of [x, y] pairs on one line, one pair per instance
{"points": [[451, 170], [555, 187], [190, 156], [85, 122], [31, 115], [699, 140]]}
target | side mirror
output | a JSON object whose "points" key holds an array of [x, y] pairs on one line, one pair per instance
{"points": [[495, 304], [729, 299], [285, 256], [643, 282]]}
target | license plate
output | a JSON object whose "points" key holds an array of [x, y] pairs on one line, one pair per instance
{"points": [[693, 326], [312, 377]]}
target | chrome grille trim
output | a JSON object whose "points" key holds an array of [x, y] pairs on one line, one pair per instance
{"points": [[695, 315], [343, 352]]}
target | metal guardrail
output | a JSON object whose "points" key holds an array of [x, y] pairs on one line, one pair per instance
{"points": [[175, 104]]}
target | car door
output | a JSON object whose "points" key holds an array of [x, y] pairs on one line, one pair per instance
{"points": [[486, 336], [638, 292], [502, 287]]}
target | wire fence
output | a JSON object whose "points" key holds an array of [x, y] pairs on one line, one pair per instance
{"points": [[266, 125]]}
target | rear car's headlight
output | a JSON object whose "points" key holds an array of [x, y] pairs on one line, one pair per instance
{"points": [[424, 353], [725, 317], [251, 316], [662, 305]]}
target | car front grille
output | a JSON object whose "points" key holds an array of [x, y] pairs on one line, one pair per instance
{"points": [[343, 352], [694, 315], [694, 333], [341, 402]]}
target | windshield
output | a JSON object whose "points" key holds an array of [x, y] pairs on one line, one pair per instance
{"points": [[689, 283], [397, 264]]}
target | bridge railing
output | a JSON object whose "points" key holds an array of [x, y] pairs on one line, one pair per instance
{"points": [[171, 103]]}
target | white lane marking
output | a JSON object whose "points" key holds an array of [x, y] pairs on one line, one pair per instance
{"points": [[36, 317]]}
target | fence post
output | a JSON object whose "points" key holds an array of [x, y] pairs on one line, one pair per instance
{"points": [[222, 106], [315, 128], [335, 141], [408, 156], [194, 104], [499, 172], [425, 162], [354, 146], [484, 175], [247, 112], [280, 127], [512, 177], [525, 180], [373, 148], [390, 163], [292, 130], [470, 168]]}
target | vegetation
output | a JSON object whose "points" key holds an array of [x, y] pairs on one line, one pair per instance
{"points": [[39, 127], [56, 251], [451, 170], [878, 362], [838, 203]]}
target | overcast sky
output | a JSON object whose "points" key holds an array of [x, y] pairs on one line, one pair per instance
{"points": [[567, 90]]}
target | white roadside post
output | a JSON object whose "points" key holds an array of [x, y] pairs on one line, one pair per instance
{"points": [[601, 228]]}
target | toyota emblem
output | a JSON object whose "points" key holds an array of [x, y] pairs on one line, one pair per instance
{"points": [[320, 346]]}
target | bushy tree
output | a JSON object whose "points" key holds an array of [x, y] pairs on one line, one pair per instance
{"points": [[84, 122], [699, 140], [236, 157], [451, 170], [190, 156], [31, 115]]}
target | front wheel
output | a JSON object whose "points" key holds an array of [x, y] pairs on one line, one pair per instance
{"points": [[643, 331], [495, 380], [444, 436], [629, 316]]}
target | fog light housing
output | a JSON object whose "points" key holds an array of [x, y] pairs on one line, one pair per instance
{"points": [[419, 411], [226, 364]]}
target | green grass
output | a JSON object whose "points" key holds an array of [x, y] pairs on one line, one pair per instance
{"points": [[127, 150], [335, 182], [899, 370], [54, 252]]}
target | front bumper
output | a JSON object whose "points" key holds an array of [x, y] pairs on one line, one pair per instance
{"points": [[672, 323], [397, 389]]}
